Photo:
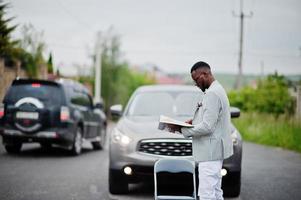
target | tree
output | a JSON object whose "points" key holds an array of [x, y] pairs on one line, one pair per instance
{"points": [[29, 50], [6, 43], [32, 43]]}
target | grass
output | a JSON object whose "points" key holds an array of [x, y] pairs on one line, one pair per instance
{"points": [[265, 129]]}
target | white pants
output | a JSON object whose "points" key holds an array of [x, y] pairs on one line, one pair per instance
{"points": [[210, 180]]}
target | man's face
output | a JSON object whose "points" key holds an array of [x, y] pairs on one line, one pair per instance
{"points": [[201, 77]]}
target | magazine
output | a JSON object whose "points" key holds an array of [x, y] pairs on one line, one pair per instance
{"points": [[164, 121]]}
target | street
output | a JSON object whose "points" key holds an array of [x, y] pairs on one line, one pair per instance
{"points": [[36, 173]]}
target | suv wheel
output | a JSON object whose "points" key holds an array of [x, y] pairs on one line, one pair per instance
{"points": [[98, 145], [13, 148], [77, 143], [117, 183]]}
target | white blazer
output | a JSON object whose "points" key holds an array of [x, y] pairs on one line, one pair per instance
{"points": [[211, 134]]}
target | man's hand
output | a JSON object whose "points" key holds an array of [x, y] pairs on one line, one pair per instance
{"points": [[189, 121], [173, 128]]}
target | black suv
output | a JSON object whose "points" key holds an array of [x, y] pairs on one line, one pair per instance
{"points": [[59, 113]]}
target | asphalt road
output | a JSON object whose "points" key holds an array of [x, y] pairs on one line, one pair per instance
{"points": [[268, 173]]}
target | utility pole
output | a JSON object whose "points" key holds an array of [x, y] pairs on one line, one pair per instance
{"points": [[261, 69], [98, 52], [241, 16], [298, 106]]}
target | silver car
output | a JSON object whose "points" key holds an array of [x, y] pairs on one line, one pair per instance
{"points": [[136, 143]]}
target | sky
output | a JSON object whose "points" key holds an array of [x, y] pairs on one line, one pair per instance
{"points": [[170, 34]]}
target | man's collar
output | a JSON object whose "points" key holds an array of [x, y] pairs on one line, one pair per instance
{"points": [[211, 85]]}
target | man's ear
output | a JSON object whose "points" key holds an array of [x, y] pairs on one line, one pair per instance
{"points": [[193, 73]]}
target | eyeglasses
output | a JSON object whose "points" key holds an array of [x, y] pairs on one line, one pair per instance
{"points": [[202, 74]]}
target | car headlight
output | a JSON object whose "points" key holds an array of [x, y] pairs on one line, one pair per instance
{"points": [[234, 136], [120, 138]]}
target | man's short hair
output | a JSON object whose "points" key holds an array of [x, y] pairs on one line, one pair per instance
{"points": [[198, 65]]}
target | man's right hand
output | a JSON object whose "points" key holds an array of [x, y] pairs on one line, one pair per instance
{"points": [[189, 121]]}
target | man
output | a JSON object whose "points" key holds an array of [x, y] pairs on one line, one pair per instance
{"points": [[211, 141]]}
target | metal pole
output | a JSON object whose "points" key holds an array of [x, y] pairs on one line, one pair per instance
{"points": [[97, 85], [262, 69], [298, 106], [239, 77], [241, 33]]}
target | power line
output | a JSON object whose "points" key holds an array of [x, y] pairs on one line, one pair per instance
{"points": [[74, 17], [145, 51]]}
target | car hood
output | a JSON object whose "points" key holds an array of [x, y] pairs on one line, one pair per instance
{"points": [[144, 128]]}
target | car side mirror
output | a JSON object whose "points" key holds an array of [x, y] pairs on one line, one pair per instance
{"points": [[116, 110], [235, 112]]}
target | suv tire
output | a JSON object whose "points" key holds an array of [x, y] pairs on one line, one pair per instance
{"points": [[13, 148], [117, 182], [77, 143]]}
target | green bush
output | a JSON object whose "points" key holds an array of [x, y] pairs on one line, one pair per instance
{"points": [[270, 96]]}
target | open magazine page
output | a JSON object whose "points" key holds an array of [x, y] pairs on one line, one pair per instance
{"points": [[164, 121]]}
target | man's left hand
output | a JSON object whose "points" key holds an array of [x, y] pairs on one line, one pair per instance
{"points": [[174, 128]]}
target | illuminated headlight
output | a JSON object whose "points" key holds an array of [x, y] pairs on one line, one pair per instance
{"points": [[234, 136], [128, 171], [224, 172], [120, 138]]}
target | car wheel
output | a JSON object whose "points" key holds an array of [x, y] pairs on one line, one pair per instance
{"points": [[98, 145], [117, 182], [13, 148], [77, 143], [233, 190]]}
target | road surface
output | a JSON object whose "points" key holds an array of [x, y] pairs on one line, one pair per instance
{"points": [[35, 174]]}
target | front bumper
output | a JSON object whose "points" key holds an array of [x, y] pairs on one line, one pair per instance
{"points": [[142, 164]]}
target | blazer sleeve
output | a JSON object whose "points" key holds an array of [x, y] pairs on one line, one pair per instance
{"points": [[211, 108]]}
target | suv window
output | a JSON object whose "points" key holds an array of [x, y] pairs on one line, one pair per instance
{"points": [[79, 98], [88, 102], [48, 94]]}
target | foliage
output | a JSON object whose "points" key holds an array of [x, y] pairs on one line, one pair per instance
{"points": [[263, 128], [28, 50], [270, 96], [27, 61], [6, 43], [32, 43]]}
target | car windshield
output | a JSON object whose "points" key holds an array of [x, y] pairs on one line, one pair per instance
{"points": [[48, 94], [176, 104]]}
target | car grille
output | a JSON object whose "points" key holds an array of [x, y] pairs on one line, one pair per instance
{"points": [[166, 147]]}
